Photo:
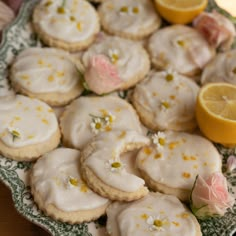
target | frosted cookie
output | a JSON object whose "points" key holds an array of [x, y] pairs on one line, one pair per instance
{"points": [[221, 69], [28, 129], [60, 192], [174, 159], [181, 48], [166, 101], [103, 170], [87, 116], [48, 74], [129, 18], [130, 58], [155, 214], [97, 1], [68, 24]]}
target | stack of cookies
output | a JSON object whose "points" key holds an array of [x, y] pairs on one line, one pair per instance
{"points": [[134, 159]]}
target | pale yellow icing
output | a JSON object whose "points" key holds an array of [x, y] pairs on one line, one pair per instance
{"points": [[181, 48], [104, 160], [46, 70], [129, 16], [74, 22], [129, 57], [57, 179], [221, 69], [178, 159], [25, 121], [155, 214], [77, 120], [169, 98]]}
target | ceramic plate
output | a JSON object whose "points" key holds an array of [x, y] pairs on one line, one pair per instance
{"points": [[16, 37]]}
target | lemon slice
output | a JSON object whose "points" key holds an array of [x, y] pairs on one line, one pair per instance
{"points": [[180, 11], [228, 6], [216, 112]]}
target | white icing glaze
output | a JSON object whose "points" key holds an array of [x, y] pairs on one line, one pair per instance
{"points": [[107, 148], [177, 163], [181, 48], [136, 218], [136, 16], [97, 0], [44, 70], [221, 69], [76, 121], [129, 161], [78, 22], [129, 57], [32, 119], [179, 95], [51, 178]]}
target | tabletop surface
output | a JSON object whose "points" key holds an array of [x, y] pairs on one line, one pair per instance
{"points": [[11, 223]]}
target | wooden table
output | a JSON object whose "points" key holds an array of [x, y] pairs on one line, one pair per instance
{"points": [[12, 223]]}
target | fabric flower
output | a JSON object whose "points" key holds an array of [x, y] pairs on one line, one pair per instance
{"points": [[97, 125], [109, 118], [114, 166], [210, 197], [101, 76], [15, 133], [114, 55], [170, 75], [157, 223], [159, 140], [101, 123]]}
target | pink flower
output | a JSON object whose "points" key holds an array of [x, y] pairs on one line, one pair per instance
{"points": [[231, 163], [6, 15], [218, 30], [210, 197], [101, 76], [14, 4]]}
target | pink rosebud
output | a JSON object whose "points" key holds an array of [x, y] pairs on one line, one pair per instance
{"points": [[101, 76], [14, 4], [210, 197], [6, 15], [217, 29], [231, 163]]}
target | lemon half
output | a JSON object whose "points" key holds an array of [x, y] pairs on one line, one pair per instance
{"points": [[180, 11], [216, 112]]}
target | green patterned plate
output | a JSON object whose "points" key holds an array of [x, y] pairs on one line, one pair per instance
{"points": [[16, 37]]}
